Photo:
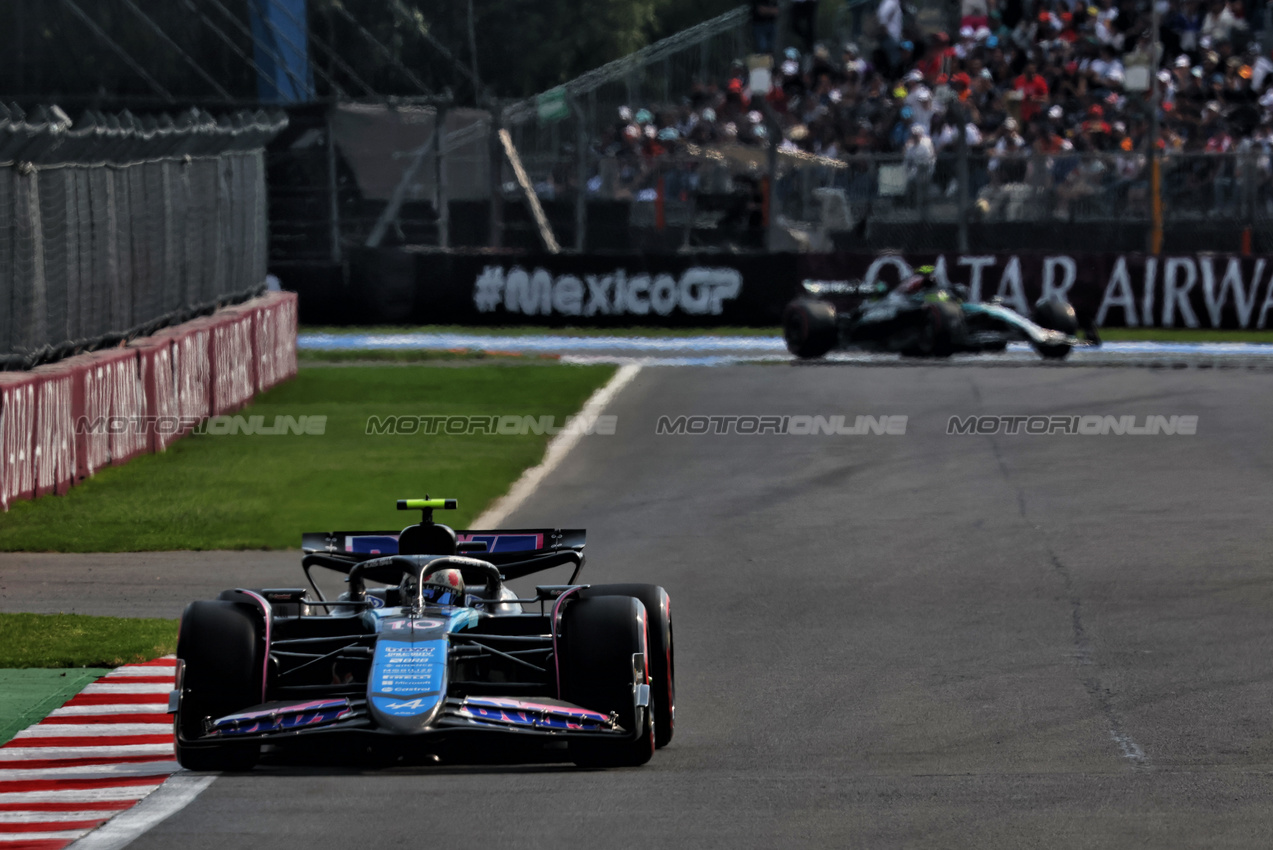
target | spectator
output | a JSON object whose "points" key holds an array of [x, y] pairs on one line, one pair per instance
{"points": [[973, 14], [764, 25], [919, 157], [1032, 91], [922, 110], [804, 21], [1218, 23], [889, 14], [939, 59]]}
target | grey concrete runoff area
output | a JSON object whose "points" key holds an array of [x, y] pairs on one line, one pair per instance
{"points": [[909, 640]]}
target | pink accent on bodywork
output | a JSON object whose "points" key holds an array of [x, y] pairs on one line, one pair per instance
{"points": [[298, 708], [556, 622], [469, 538], [562, 710], [645, 647], [269, 616]]}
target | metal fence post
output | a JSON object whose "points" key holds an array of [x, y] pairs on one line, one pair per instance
{"points": [[496, 153], [581, 175], [333, 193], [1250, 179], [771, 200], [962, 177], [441, 197]]}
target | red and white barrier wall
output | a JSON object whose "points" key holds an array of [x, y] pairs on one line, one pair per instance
{"points": [[206, 367]]}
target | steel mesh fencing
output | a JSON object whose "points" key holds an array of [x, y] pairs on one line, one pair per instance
{"points": [[659, 78], [734, 197], [115, 225]]}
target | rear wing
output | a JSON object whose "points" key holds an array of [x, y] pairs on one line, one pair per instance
{"points": [[517, 552], [504, 546], [520, 543]]}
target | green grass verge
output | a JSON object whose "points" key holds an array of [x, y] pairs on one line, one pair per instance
{"points": [[536, 330], [74, 640], [415, 355], [253, 492], [1183, 335]]}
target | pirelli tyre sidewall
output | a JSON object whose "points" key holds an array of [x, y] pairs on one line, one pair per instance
{"points": [[221, 647], [597, 641], [662, 660], [1055, 314], [809, 327]]}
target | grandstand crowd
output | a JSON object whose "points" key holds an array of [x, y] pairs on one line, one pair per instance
{"points": [[1010, 80]]}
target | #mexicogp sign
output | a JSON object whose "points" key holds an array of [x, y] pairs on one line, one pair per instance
{"points": [[552, 106]]}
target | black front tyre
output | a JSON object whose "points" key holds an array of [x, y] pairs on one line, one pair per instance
{"points": [[809, 328], [598, 639], [1057, 351], [661, 660], [220, 644], [1055, 314]]}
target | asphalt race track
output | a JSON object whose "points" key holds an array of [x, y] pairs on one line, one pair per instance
{"points": [[916, 640]]}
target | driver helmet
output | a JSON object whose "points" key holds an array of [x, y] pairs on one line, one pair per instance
{"points": [[921, 279], [445, 587]]}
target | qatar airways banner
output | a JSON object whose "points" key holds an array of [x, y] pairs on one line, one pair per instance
{"points": [[1114, 290]]}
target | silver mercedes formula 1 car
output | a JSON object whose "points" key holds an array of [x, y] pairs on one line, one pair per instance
{"points": [[923, 318]]}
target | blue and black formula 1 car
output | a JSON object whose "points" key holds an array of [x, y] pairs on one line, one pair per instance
{"points": [[923, 318], [427, 656]]}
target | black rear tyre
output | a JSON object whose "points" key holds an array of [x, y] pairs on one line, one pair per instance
{"points": [[598, 639], [943, 324], [221, 646], [661, 660], [809, 328]]}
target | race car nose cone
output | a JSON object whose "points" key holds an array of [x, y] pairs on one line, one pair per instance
{"points": [[407, 685]]}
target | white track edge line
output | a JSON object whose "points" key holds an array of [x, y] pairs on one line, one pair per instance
{"points": [[557, 450], [174, 795], [95, 730]]}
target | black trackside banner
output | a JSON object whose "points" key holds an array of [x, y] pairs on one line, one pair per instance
{"points": [[713, 289], [696, 290]]}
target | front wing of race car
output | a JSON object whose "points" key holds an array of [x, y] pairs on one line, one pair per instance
{"points": [[275, 721], [476, 721]]}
